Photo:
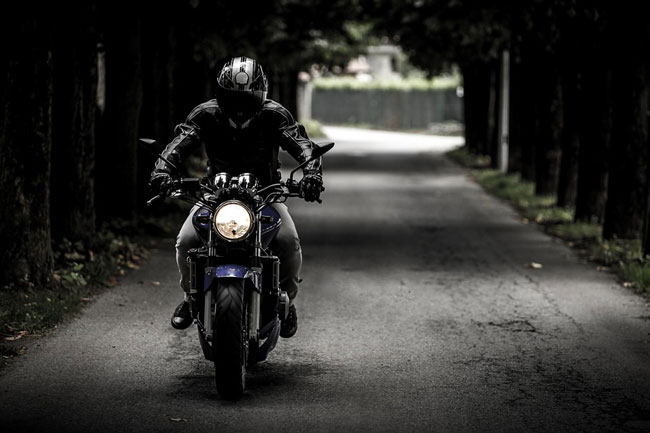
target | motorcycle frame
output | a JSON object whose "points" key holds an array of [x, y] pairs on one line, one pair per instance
{"points": [[253, 278]]}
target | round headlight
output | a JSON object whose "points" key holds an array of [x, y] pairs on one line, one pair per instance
{"points": [[233, 221]]}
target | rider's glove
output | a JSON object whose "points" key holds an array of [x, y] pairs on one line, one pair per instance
{"points": [[311, 186], [159, 182]]}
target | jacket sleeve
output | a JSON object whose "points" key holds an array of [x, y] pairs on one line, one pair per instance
{"points": [[295, 141], [186, 141]]}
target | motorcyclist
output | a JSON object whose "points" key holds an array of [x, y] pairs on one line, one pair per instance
{"points": [[242, 132]]}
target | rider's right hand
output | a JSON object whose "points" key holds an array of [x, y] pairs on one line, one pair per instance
{"points": [[160, 182]]}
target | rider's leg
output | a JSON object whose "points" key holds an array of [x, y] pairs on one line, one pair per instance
{"points": [[290, 254], [186, 239]]}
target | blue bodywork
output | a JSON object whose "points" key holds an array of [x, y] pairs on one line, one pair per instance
{"points": [[201, 220], [232, 271], [270, 229]]}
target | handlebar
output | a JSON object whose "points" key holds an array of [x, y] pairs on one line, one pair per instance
{"points": [[188, 185]]}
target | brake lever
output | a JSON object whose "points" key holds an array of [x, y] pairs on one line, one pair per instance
{"points": [[155, 199]]}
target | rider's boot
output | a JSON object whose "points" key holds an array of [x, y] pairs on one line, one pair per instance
{"points": [[289, 326], [182, 317]]}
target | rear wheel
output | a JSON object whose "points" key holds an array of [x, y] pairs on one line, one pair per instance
{"points": [[230, 339]]}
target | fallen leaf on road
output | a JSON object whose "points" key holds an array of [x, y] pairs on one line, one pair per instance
{"points": [[534, 265], [602, 268]]}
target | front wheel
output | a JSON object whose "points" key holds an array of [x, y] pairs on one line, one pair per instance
{"points": [[230, 339]]}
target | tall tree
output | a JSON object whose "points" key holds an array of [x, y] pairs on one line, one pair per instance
{"points": [[570, 142], [477, 83], [157, 85], [73, 134], [594, 112], [25, 146], [627, 191], [547, 103], [116, 153]]}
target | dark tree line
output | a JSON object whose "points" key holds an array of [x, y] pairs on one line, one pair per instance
{"points": [[78, 89], [579, 92]]}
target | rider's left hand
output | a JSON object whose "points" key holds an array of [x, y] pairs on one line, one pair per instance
{"points": [[311, 186]]}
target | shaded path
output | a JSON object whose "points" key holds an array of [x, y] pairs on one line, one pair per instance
{"points": [[417, 313]]}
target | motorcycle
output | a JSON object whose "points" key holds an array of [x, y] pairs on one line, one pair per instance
{"points": [[235, 297]]}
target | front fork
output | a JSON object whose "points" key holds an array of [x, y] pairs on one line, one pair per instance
{"points": [[252, 295]]}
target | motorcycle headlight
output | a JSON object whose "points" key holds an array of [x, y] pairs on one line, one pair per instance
{"points": [[233, 220]]}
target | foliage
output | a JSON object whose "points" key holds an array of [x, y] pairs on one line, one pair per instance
{"points": [[615, 252], [79, 273], [30, 311], [284, 34], [313, 128], [468, 159], [576, 231], [438, 33], [409, 84]]}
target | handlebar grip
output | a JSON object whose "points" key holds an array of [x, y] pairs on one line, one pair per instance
{"points": [[155, 199]]}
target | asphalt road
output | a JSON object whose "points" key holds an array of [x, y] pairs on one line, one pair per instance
{"points": [[418, 313]]}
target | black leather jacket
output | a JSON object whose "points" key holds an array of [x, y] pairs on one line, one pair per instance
{"points": [[249, 150]]}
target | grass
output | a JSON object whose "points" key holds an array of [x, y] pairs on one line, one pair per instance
{"points": [[623, 257], [313, 128]]}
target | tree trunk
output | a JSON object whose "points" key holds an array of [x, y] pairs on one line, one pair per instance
{"points": [[73, 137], [548, 108], [25, 146], [155, 117], [626, 203], [476, 85], [525, 113], [290, 100], [493, 115], [595, 125], [568, 178], [283, 87], [627, 193], [517, 105], [117, 147]]}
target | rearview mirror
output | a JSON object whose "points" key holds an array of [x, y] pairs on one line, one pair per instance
{"points": [[321, 149]]}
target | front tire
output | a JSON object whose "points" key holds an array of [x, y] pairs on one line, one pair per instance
{"points": [[230, 339]]}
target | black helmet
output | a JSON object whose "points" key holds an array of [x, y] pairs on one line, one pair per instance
{"points": [[241, 90]]}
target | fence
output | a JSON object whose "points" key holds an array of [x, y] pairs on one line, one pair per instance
{"points": [[392, 109]]}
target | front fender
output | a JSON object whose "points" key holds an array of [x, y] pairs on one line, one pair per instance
{"points": [[232, 271]]}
